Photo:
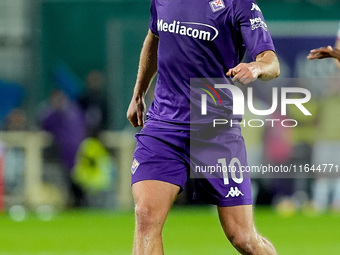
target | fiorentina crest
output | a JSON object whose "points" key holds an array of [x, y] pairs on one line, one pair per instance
{"points": [[135, 165], [217, 5]]}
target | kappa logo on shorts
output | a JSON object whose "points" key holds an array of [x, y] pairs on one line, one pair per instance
{"points": [[234, 192], [135, 165], [217, 5]]}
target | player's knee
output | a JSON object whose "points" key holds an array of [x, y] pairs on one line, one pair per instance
{"points": [[244, 242], [146, 218]]}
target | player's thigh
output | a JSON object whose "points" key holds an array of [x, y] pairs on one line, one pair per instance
{"points": [[154, 198], [236, 220], [160, 155]]}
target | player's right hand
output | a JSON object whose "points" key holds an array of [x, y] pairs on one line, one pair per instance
{"points": [[136, 111], [324, 52]]}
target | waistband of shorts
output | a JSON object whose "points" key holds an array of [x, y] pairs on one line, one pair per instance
{"points": [[193, 128]]}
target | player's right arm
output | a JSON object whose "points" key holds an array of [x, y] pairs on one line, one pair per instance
{"points": [[146, 72], [327, 52]]}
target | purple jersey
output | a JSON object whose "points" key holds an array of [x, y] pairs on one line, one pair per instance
{"points": [[200, 39]]}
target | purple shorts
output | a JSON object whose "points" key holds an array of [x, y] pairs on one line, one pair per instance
{"points": [[214, 160]]}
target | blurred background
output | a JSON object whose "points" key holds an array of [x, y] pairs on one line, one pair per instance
{"points": [[67, 72]]}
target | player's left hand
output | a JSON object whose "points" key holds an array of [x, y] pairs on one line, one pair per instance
{"points": [[245, 73]]}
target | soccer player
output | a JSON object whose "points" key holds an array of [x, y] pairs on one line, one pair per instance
{"points": [[190, 39], [328, 139]]}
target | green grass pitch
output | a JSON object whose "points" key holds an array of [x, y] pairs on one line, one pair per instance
{"points": [[188, 231]]}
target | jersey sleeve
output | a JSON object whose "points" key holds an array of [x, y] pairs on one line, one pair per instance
{"points": [[153, 18], [250, 21]]}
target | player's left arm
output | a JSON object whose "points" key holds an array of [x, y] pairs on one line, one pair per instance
{"points": [[248, 18], [265, 66]]}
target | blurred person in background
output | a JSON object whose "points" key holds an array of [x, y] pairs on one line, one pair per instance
{"points": [[304, 136], [94, 170], [66, 122], [277, 143], [93, 103]]}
